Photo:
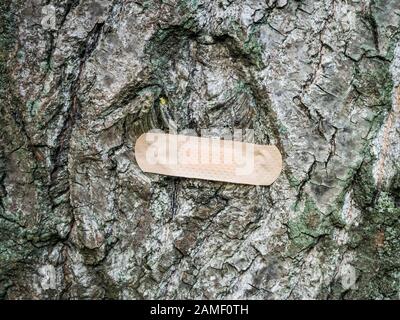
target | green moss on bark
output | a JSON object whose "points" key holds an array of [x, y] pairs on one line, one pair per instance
{"points": [[376, 239], [306, 230]]}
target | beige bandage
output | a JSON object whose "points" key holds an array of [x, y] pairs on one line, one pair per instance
{"points": [[208, 158]]}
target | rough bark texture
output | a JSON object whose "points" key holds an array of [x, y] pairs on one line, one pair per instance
{"points": [[78, 218]]}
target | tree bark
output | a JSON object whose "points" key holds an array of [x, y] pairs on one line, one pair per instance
{"points": [[80, 81]]}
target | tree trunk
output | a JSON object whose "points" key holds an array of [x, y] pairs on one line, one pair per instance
{"points": [[82, 80]]}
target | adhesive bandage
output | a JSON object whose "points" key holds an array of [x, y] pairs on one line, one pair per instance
{"points": [[208, 158]]}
